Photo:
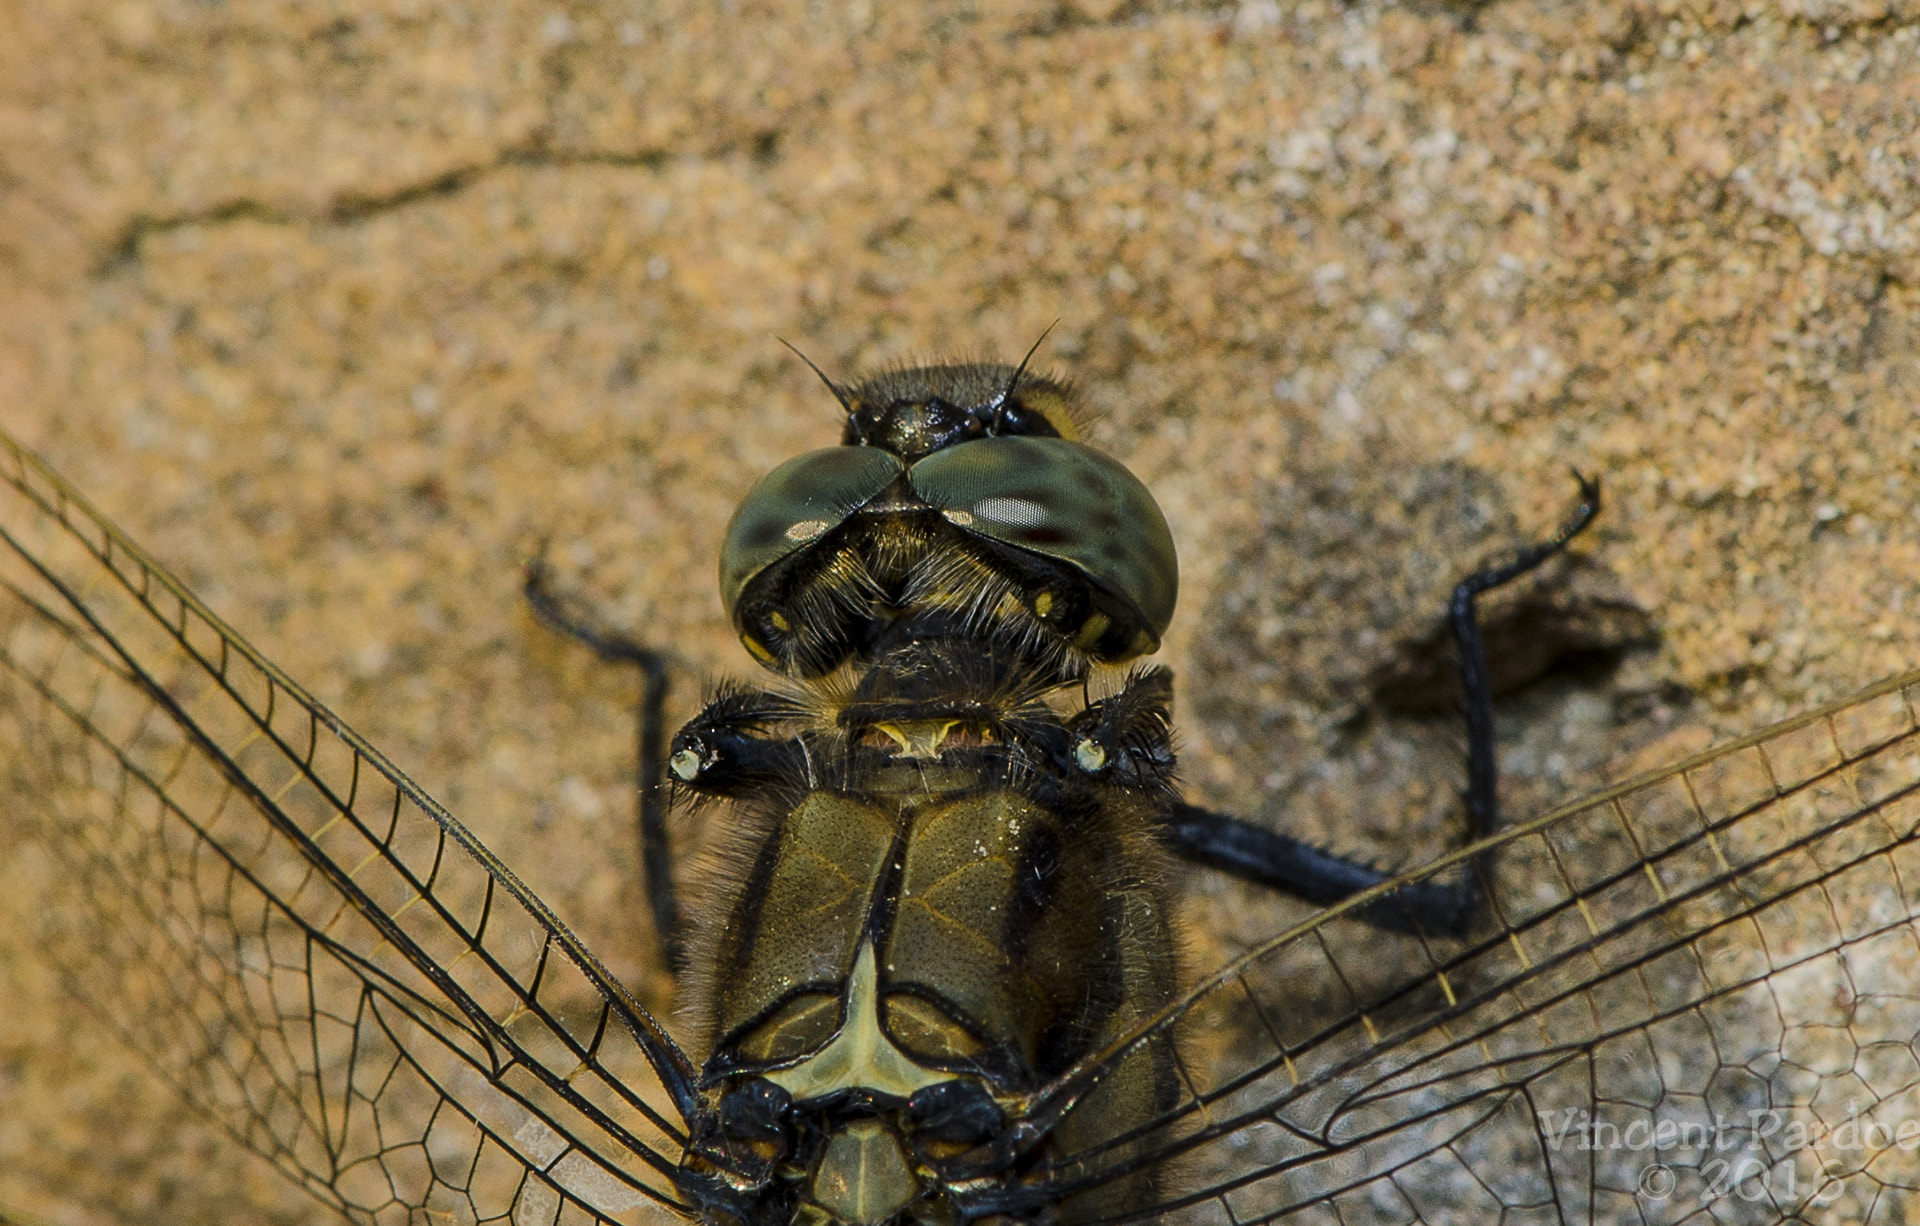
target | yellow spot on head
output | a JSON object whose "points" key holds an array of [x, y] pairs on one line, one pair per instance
{"points": [[779, 621], [759, 651], [1043, 604], [1091, 630], [1052, 406]]}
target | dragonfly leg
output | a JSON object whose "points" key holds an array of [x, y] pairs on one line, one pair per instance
{"points": [[1313, 874], [567, 615], [1440, 907], [1483, 806]]}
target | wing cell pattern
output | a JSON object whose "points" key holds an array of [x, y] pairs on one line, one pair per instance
{"points": [[313, 952], [1699, 1001]]}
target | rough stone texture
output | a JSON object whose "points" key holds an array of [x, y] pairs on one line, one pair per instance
{"points": [[342, 309]]}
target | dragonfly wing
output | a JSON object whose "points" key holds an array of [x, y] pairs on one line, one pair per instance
{"points": [[1699, 999], [314, 952]]}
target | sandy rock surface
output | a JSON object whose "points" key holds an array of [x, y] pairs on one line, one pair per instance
{"points": [[342, 310]]}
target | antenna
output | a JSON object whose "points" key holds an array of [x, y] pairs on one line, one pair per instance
{"points": [[1000, 401], [831, 385]]}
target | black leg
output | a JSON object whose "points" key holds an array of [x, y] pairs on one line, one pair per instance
{"points": [[1483, 772], [1436, 907], [1313, 874], [656, 860]]}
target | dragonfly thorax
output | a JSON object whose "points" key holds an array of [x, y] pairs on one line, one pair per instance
{"points": [[938, 905]]}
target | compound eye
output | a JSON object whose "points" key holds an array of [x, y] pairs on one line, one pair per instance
{"points": [[1065, 501], [795, 505]]}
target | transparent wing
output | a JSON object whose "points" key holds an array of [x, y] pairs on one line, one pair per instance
{"points": [[314, 952], [1698, 1000]]}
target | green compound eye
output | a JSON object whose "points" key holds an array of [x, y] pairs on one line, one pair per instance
{"points": [[795, 505], [1062, 500]]}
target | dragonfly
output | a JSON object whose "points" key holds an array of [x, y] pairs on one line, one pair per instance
{"points": [[1694, 996]]}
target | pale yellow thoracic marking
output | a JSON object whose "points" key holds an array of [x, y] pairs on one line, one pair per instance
{"points": [[921, 738], [861, 1054]]}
